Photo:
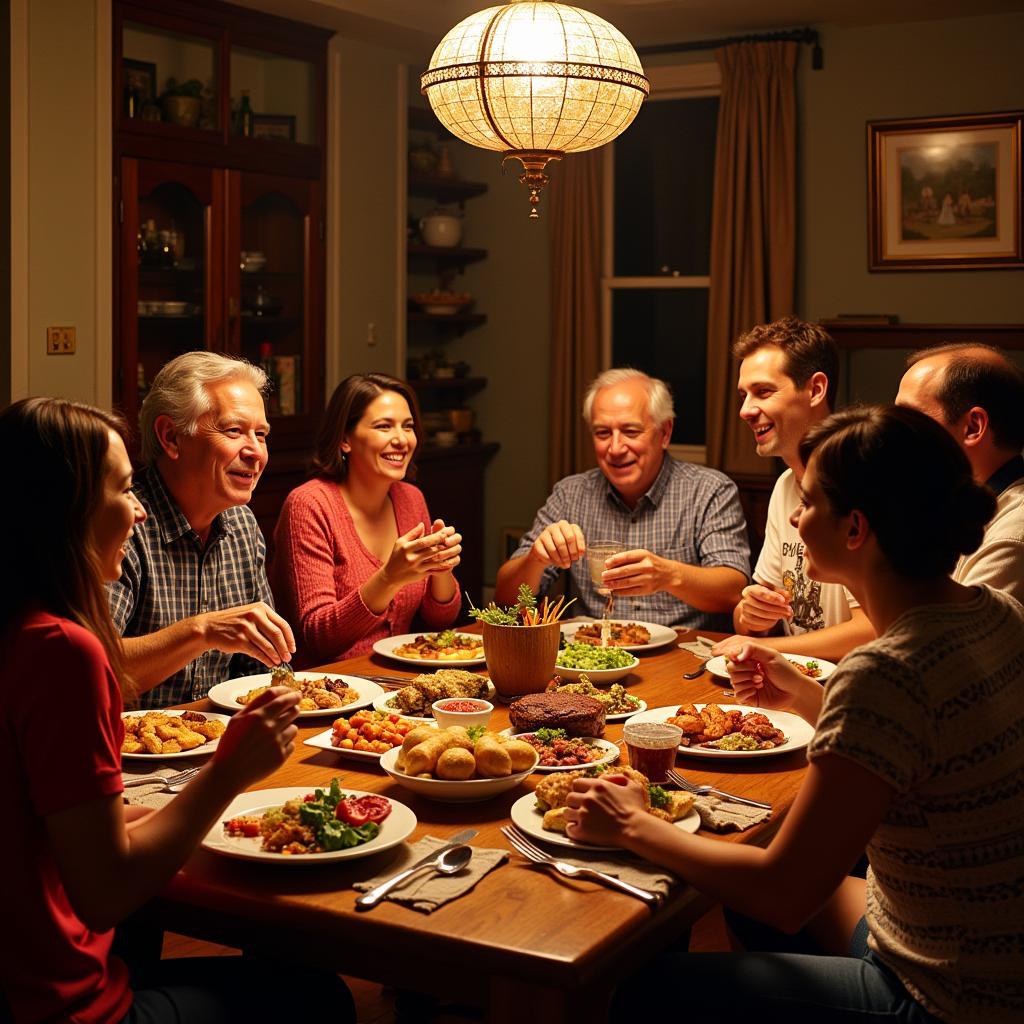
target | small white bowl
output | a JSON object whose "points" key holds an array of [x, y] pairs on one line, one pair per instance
{"points": [[451, 791], [598, 676], [467, 719]]}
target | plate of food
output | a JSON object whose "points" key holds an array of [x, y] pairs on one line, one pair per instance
{"points": [[460, 766], [299, 825], [601, 665], [630, 636], [561, 753], [733, 730], [815, 668], [619, 704], [322, 693], [541, 814], [367, 734], [414, 700], [169, 735], [446, 646]]}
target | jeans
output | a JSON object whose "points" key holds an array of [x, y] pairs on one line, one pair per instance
{"points": [[222, 989], [794, 988]]}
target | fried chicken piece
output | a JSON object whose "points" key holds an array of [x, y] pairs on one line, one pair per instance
{"points": [[715, 722], [152, 742], [552, 790], [554, 820], [409, 699], [757, 725], [324, 698], [212, 728], [131, 745], [307, 704]]}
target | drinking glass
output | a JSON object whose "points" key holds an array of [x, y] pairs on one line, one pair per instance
{"points": [[652, 747], [597, 554]]}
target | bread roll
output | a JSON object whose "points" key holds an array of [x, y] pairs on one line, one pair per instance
{"points": [[522, 754], [492, 759], [455, 763]]}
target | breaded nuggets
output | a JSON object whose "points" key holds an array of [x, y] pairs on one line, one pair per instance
{"points": [[159, 733]]}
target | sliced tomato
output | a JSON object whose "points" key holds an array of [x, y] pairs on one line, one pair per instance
{"points": [[359, 810]]}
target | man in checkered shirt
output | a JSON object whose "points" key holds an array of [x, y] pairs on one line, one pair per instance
{"points": [[193, 603], [686, 555]]}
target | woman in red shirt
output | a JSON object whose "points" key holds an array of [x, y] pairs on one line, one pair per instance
{"points": [[356, 552], [74, 861]]}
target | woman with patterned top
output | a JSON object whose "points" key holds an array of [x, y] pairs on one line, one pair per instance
{"points": [[356, 553], [918, 755]]}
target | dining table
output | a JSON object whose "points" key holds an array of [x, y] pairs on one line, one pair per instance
{"points": [[524, 942]]}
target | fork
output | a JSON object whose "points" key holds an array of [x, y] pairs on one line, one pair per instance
{"points": [[537, 856], [169, 781], [682, 783]]}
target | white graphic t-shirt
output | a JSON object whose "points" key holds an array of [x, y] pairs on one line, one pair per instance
{"points": [[781, 564]]}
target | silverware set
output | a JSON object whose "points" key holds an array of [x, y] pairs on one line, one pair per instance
{"points": [[535, 855], [169, 781], [683, 783]]}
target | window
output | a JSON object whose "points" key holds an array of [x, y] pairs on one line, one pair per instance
{"points": [[659, 177]]}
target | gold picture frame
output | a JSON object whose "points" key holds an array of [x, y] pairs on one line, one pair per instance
{"points": [[944, 193]]}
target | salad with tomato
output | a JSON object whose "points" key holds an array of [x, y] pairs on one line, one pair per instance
{"points": [[321, 821]]}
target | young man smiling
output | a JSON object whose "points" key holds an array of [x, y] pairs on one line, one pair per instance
{"points": [[193, 593], [789, 373], [686, 555]]}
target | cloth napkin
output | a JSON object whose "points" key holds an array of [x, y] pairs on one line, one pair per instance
{"points": [[701, 648], [430, 890], [642, 874], [720, 815], [154, 795]]}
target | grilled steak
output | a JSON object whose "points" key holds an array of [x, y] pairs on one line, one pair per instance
{"points": [[577, 714]]}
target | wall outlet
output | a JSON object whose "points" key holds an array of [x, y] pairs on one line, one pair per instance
{"points": [[371, 334], [60, 341]]}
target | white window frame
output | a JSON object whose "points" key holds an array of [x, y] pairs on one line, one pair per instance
{"points": [[668, 82]]}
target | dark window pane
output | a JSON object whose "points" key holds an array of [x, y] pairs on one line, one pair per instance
{"points": [[663, 331], [664, 171]]}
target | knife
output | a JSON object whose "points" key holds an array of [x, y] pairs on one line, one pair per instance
{"points": [[369, 899]]}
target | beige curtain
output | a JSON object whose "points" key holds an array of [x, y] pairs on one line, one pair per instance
{"points": [[575, 211], [753, 228]]}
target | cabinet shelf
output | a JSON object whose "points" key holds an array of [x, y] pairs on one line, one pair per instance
{"points": [[462, 319], [464, 385], [445, 255], [444, 190]]}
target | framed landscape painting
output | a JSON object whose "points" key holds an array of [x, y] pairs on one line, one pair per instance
{"points": [[944, 193]]}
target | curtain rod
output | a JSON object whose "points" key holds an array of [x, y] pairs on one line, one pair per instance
{"points": [[796, 35]]}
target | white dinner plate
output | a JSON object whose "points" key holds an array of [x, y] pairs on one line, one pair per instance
{"points": [[202, 751], [798, 733], [387, 645], [716, 666], [224, 694], [611, 752], [526, 816], [322, 741], [394, 829], [660, 635], [381, 703]]}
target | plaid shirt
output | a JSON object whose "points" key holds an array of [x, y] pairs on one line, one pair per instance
{"points": [[690, 514], [168, 575]]}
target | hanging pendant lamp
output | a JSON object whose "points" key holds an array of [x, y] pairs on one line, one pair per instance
{"points": [[534, 80]]}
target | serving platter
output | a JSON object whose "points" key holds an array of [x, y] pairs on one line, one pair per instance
{"points": [[204, 750], [660, 635], [386, 648], [395, 828], [381, 703], [798, 733], [322, 741], [224, 694], [526, 816]]}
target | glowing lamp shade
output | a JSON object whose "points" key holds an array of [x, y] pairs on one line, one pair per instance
{"points": [[535, 80]]}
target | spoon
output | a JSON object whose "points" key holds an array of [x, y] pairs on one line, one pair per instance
{"points": [[447, 862], [695, 674]]}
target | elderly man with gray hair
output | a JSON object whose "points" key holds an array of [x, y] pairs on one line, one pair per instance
{"points": [[193, 603], [684, 557]]}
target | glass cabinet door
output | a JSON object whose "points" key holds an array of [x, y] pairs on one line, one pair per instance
{"points": [[167, 273], [271, 278]]}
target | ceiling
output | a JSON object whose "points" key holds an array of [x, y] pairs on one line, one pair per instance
{"points": [[415, 26]]}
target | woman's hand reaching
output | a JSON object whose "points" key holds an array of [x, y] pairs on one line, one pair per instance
{"points": [[417, 554], [764, 678]]}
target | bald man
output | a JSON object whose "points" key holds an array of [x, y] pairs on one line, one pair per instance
{"points": [[977, 394]]}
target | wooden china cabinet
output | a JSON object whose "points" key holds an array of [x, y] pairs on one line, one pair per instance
{"points": [[219, 208]]}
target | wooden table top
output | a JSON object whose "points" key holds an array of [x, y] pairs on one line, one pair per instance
{"points": [[519, 927]]}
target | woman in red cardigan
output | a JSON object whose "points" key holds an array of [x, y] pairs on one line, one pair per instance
{"points": [[356, 552]]}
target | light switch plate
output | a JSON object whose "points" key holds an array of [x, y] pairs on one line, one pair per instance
{"points": [[60, 341]]}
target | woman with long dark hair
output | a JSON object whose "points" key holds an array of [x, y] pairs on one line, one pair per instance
{"points": [[918, 756], [356, 552], [75, 862]]}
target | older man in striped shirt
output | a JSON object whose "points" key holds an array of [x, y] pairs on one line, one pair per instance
{"points": [[193, 603], [686, 556]]}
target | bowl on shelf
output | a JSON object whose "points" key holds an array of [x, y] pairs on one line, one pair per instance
{"points": [[442, 303]]}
